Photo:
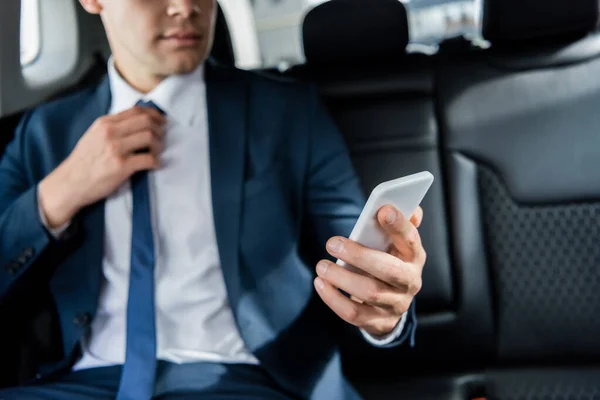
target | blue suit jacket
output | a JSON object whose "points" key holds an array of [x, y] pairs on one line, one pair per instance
{"points": [[277, 161]]}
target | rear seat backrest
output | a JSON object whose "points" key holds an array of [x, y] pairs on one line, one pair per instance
{"points": [[521, 129], [383, 102]]}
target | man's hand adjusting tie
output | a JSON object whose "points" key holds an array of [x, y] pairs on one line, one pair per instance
{"points": [[106, 156]]}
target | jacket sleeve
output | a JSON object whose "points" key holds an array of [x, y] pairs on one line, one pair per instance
{"points": [[335, 198], [23, 237]]}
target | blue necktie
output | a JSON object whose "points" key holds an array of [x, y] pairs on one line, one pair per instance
{"points": [[137, 379]]}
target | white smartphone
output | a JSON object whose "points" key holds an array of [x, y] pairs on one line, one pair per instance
{"points": [[404, 193]]}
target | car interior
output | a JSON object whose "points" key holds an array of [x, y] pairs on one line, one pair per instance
{"points": [[510, 305]]}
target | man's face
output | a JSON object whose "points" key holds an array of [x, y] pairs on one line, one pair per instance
{"points": [[163, 37]]}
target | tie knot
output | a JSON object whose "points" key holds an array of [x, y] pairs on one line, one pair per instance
{"points": [[149, 104]]}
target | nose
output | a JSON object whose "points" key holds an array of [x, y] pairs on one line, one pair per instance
{"points": [[183, 8]]}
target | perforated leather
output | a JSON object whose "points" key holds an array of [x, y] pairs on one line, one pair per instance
{"points": [[560, 384], [546, 264]]}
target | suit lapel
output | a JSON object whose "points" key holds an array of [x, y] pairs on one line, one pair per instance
{"points": [[94, 215], [85, 262], [227, 105]]}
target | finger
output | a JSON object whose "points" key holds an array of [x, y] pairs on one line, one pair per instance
{"points": [[376, 320], [352, 312], [404, 235], [141, 162], [136, 123], [383, 266], [417, 217], [140, 141], [363, 288], [399, 230]]}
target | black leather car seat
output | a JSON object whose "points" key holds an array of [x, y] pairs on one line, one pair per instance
{"points": [[383, 101], [520, 124]]}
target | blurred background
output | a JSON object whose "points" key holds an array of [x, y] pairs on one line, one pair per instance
{"points": [[267, 33]]}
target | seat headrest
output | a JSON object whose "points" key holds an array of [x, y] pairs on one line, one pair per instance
{"points": [[355, 31], [510, 21]]}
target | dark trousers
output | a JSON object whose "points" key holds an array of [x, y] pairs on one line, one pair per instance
{"points": [[208, 381]]}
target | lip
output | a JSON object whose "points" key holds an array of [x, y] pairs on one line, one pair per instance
{"points": [[183, 38]]}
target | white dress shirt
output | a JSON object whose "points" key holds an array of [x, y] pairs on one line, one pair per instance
{"points": [[194, 321]]}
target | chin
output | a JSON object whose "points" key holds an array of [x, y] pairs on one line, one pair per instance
{"points": [[185, 65]]}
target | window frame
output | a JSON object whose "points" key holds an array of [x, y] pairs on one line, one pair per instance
{"points": [[30, 20]]}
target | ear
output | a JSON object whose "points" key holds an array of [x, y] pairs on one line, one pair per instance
{"points": [[92, 6]]}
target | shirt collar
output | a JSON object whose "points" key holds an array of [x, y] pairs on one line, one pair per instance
{"points": [[179, 96]]}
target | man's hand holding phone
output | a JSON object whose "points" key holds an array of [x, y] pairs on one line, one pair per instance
{"points": [[383, 284]]}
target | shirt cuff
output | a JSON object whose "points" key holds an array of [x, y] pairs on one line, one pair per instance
{"points": [[390, 337], [56, 232]]}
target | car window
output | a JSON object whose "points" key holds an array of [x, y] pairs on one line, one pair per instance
{"points": [[433, 21], [30, 31], [278, 26]]}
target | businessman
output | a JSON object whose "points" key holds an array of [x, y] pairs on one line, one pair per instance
{"points": [[163, 208]]}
